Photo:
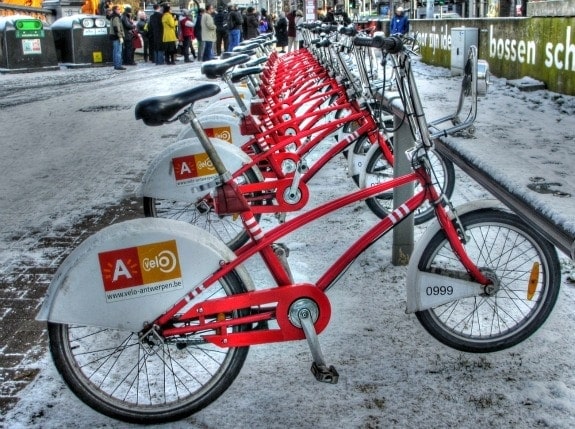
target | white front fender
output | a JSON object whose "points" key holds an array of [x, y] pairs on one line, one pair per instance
{"points": [[130, 273], [184, 172], [417, 281]]}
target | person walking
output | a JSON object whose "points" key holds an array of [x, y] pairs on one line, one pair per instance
{"points": [[399, 23], [156, 35], [221, 21], [117, 37], [252, 23], [187, 34], [235, 22], [208, 33], [128, 49], [282, 32], [170, 37]]}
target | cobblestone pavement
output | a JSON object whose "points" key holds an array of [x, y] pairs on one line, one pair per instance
{"points": [[23, 285]]}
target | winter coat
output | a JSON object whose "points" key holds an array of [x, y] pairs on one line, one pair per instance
{"points": [[291, 24], [208, 28], [399, 24], [116, 27], [252, 24], [128, 25], [282, 32], [235, 20], [187, 27], [156, 31], [169, 24], [221, 21]]}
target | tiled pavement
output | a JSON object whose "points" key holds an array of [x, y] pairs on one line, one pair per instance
{"points": [[23, 284]]}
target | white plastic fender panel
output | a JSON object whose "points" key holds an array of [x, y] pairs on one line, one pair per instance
{"points": [[130, 273], [417, 282], [225, 98], [184, 172], [221, 126], [357, 162]]}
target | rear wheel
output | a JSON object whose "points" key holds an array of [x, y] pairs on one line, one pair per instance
{"points": [[501, 243], [149, 379], [229, 229]]}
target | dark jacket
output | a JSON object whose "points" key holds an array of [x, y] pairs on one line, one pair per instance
{"points": [[156, 31], [221, 21], [252, 24], [198, 27], [282, 32], [235, 20], [128, 25], [291, 24]]}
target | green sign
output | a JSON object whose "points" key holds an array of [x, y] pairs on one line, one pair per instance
{"points": [[29, 29]]}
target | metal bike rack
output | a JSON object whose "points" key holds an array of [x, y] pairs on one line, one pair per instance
{"points": [[403, 233]]}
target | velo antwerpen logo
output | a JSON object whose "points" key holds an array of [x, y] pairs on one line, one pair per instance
{"points": [[193, 166], [223, 133], [139, 271]]}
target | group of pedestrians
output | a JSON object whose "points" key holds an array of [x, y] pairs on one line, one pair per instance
{"points": [[215, 32]]}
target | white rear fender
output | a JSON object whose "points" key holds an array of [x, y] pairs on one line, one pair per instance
{"points": [[130, 273], [221, 126], [427, 290], [184, 172]]}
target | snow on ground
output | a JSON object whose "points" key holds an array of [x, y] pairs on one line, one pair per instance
{"points": [[66, 158]]}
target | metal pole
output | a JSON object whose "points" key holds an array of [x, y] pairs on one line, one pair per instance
{"points": [[402, 246]]}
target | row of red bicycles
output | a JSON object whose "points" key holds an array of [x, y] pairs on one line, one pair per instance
{"points": [[150, 320]]}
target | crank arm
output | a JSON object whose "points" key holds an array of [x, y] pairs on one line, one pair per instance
{"points": [[212, 315]]}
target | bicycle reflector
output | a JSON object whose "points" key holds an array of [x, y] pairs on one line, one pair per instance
{"points": [[533, 280]]}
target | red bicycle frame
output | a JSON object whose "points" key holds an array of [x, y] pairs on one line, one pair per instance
{"points": [[272, 304]]}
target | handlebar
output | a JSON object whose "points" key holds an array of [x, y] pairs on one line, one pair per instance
{"points": [[392, 45]]}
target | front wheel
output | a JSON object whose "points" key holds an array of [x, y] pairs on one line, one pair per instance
{"points": [[379, 170], [146, 380], [499, 242]]}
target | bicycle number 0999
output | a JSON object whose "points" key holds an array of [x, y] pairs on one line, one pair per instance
{"points": [[439, 290]]}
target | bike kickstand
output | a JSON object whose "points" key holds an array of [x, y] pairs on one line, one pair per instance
{"points": [[319, 368]]}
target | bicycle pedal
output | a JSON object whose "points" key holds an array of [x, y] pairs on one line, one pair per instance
{"points": [[324, 374]]}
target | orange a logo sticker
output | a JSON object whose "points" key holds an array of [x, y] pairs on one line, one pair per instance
{"points": [[192, 166]]}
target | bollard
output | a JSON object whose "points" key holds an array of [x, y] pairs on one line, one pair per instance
{"points": [[402, 246]]}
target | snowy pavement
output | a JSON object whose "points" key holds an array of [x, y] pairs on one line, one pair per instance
{"points": [[72, 159]]}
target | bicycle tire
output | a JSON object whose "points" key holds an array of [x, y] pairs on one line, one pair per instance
{"points": [[382, 204], [123, 378], [501, 242], [228, 229]]}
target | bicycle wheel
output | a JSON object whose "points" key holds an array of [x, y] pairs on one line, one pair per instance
{"points": [[502, 243], [138, 381], [229, 229], [379, 170]]}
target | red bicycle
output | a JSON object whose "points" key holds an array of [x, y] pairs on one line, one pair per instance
{"points": [[274, 179], [150, 320]]}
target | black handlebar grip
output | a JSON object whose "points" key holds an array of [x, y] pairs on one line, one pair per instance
{"points": [[363, 41], [392, 44]]}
